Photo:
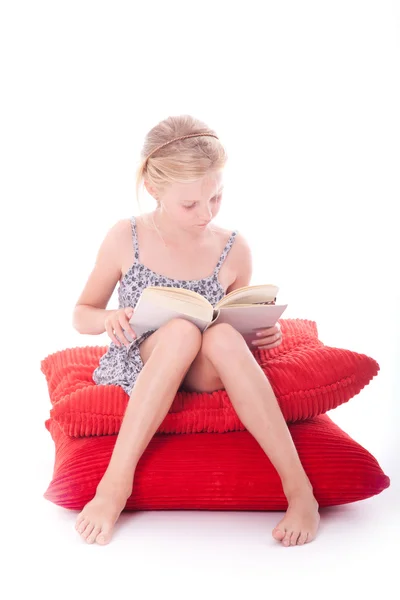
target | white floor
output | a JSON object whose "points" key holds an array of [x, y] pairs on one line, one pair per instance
{"points": [[199, 553], [179, 554]]}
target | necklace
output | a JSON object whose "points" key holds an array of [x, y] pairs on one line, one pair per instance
{"points": [[156, 228], [159, 233]]}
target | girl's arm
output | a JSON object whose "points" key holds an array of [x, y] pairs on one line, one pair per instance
{"points": [[91, 308], [243, 263], [89, 319]]}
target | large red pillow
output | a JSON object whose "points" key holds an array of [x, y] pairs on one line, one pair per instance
{"points": [[307, 377], [217, 472]]}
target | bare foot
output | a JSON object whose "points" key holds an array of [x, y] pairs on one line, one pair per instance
{"points": [[98, 517], [300, 523]]}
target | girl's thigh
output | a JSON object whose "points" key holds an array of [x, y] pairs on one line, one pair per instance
{"points": [[173, 330], [200, 376]]}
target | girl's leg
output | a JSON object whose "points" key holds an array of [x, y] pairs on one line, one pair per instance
{"points": [[256, 405], [177, 344]]}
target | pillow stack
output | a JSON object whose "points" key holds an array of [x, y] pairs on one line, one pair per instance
{"points": [[205, 470]]}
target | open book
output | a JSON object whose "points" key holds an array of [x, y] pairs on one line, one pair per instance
{"points": [[247, 309]]}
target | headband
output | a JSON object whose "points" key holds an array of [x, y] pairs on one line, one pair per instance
{"points": [[182, 137]]}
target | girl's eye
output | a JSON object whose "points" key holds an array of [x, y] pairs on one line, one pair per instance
{"points": [[216, 199]]}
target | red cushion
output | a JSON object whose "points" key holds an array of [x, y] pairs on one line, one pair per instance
{"points": [[307, 377], [217, 472]]}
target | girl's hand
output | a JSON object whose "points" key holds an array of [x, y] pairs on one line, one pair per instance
{"points": [[116, 322], [268, 338]]}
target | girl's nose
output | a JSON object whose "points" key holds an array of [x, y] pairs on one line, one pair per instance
{"points": [[205, 216]]}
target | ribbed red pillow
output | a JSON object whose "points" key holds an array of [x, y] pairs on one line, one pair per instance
{"points": [[308, 379], [217, 472]]}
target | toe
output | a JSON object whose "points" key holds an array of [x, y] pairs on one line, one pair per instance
{"points": [[302, 538], [82, 525], [286, 539], [79, 520], [89, 528], [104, 536], [278, 534], [294, 538], [92, 537]]}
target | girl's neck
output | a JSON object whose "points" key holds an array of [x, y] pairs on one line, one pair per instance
{"points": [[172, 235]]}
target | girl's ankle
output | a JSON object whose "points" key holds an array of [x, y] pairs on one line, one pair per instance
{"points": [[114, 486], [296, 489]]}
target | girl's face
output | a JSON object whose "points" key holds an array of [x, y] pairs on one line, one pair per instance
{"points": [[192, 206]]}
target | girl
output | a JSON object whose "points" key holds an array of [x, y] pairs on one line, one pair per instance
{"points": [[176, 245]]}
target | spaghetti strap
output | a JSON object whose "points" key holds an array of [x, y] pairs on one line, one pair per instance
{"points": [[134, 238], [225, 251]]}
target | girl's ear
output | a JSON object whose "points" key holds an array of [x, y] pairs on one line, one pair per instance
{"points": [[150, 189]]}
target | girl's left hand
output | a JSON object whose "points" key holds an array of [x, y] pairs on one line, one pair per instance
{"points": [[268, 338]]}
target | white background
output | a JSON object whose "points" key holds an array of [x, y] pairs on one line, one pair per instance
{"points": [[305, 97]]}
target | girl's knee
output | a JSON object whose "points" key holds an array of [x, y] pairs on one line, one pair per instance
{"points": [[177, 337], [222, 337], [181, 331]]}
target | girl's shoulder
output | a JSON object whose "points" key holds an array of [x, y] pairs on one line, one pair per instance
{"points": [[123, 229], [237, 244]]}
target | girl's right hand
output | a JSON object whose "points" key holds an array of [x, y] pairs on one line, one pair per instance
{"points": [[116, 322]]}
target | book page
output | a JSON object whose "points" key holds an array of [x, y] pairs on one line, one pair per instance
{"points": [[155, 309], [250, 295], [248, 320], [150, 316], [181, 294]]}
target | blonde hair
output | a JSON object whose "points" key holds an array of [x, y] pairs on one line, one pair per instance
{"points": [[182, 161]]}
